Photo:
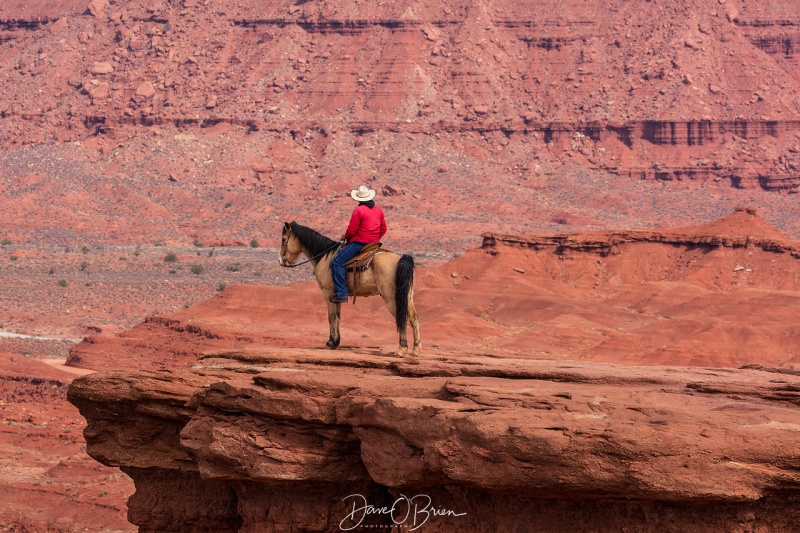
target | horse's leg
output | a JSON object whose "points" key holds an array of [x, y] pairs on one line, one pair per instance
{"points": [[388, 298], [403, 350], [333, 322], [414, 319]]}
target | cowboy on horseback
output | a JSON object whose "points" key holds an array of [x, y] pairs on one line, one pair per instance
{"points": [[367, 226], [389, 275]]}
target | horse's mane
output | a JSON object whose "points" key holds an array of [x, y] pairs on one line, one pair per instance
{"points": [[313, 241]]}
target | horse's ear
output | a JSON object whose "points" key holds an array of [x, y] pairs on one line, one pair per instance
{"points": [[286, 226]]}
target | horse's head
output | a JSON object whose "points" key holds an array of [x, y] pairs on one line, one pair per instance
{"points": [[290, 247]]}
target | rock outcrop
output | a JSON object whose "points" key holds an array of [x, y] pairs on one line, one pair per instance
{"points": [[741, 229], [297, 440]]}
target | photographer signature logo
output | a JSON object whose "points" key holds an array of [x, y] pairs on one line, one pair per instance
{"points": [[410, 513]]}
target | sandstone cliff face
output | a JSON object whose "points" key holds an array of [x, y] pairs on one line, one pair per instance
{"points": [[281, 440]]}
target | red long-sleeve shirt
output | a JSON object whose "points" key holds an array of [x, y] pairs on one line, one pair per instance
{"points": [[366, 225]]}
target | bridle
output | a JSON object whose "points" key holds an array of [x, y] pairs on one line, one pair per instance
{"points": [[315, 257]]}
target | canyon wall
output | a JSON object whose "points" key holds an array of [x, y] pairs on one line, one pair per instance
{"points": [[667, 90], [179, 108]]}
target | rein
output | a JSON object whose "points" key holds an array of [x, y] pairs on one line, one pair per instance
{"points": [[316, 256]]}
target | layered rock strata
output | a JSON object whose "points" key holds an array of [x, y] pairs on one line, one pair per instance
{"points": [[683, 90], [301, 440]]}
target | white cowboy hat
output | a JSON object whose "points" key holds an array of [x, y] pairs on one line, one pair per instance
{"points": [[363, 194]]}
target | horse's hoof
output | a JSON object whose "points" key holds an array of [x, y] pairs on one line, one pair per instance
{"points": [[401, 353], [415, 351], [331, 345]]}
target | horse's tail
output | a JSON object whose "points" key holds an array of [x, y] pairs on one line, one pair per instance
{"points": [[403, 283]]}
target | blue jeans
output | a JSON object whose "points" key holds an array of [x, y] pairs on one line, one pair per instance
{"points": [[337, 267]]}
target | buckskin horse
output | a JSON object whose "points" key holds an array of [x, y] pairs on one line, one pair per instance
{"points": [[389, 275]]}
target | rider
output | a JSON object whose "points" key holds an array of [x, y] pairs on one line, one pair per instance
{"points": [[367, 225]]}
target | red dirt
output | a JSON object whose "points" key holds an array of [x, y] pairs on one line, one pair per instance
{"points": [[47, 481]]}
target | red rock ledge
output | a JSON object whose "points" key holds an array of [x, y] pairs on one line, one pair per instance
{"points": [[278, 440]]}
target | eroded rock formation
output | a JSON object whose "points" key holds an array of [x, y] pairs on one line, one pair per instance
{"points": [[277, 440]]}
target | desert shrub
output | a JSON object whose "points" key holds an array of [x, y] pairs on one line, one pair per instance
{"points": [[257, 273], [173, 271], [198, 243], [197, 269], [221, 287], [6, 242], [159, 243], [84, 265], [254, 243], [211, 253], [13, 257], [52, 271], [227, 205], [62, 283], [233, 267], [170, 258], [85, 249]]}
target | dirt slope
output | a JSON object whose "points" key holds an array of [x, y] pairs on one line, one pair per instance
{"points": [[47, 482]]}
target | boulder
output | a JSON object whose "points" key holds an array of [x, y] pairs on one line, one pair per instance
{"points": [[97, 8], [101, 90], [102, 67], [58, 26], [145, 90]]}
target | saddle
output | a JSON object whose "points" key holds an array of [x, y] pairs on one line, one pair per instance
{"points": [[361, 262], [364, 258]]}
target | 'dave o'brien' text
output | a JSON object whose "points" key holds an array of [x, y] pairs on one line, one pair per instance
{"points": [[409, 512]]}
